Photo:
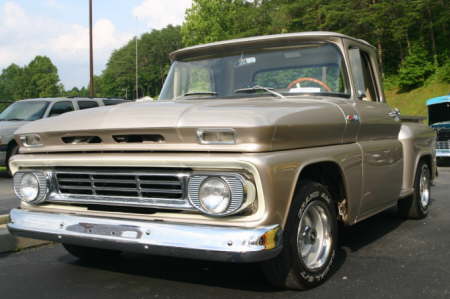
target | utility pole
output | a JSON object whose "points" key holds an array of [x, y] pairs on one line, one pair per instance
{"points": [[91, 55], [137, 76]]}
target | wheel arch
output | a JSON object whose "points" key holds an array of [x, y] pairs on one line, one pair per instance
{"points": [[330, 174], [427, 158], [11, 144]]}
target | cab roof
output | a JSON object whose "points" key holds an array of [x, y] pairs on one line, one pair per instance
{"points": [[66, 99], [264, 39]]}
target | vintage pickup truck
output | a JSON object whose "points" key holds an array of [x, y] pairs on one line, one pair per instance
{"points": [[255, 151]]}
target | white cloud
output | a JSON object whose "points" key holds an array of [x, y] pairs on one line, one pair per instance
{"points": [[75, 41], [23, 36], [158, 14]]}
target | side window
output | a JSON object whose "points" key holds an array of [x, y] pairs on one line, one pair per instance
{"points": [[112, 102], [363, 75], [87, 104], [60, 108]]}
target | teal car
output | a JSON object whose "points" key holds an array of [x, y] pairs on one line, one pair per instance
{"points": [[439, 119]]}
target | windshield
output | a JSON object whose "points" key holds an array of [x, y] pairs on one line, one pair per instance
{"points": [[24, 111], [306, 68]]}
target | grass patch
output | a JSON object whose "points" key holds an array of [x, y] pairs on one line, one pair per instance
{"points": [[2, 168], [414, 102]]}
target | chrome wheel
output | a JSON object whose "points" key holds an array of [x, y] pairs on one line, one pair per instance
{"points": [[314, 239], [424, 187]]}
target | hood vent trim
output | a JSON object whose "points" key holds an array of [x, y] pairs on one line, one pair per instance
{"points": [[139, 138], [81, 139]]}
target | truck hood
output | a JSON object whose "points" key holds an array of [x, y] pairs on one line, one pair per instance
{"points": [[261, 124], [444, 124]]}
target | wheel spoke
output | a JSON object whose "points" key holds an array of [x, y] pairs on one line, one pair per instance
{"points": [[424, 187], [314, 236]]}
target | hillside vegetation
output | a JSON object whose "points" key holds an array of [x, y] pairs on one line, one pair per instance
{"points": [[414, 101]]}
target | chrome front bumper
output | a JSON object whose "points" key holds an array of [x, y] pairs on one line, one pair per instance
{"points": [[442, 153], [231, 244]]}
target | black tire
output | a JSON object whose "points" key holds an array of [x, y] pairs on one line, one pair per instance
{"points": [[288, 269], [13, 150], [413, 207], [90, 253]]}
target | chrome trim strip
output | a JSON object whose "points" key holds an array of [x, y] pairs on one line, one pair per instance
{"points": [[231, 244], [442, 153]]}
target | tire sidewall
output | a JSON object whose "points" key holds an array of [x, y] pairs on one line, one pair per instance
{"points": [[312, 192], [422, 167]]}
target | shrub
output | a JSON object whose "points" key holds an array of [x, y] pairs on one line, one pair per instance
{"points": [[443, 73], [415, 69]]}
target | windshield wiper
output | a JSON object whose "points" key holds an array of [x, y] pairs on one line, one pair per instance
{"points": [[200, 93], [257, 88]]}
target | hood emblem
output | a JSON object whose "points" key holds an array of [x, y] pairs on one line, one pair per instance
{"points": [[352, 118]]}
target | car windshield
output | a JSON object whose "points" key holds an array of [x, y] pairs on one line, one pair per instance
{"points": [[21, 111], [312, 68]]}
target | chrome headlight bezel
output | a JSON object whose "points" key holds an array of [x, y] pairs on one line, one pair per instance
{"points": [[242, 192], [43, 183]]}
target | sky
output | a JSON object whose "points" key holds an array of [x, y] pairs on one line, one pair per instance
{"points": [[59, 29]]}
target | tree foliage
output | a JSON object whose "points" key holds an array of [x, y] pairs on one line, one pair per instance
{"points": [[414, 69], [36, 80], [412, 39], [396, 28], [118, 79]]}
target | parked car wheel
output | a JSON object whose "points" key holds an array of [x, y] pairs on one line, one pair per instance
{"points": [[416, 206], [309, 241], [11, 152], [90, 253]]}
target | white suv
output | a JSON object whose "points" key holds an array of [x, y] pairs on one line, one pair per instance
{"points": [[24, 111]]}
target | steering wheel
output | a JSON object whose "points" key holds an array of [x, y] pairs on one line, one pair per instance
{"points": [[297, 82]]}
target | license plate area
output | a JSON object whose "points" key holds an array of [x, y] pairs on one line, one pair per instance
{"points": [[105, 230]]}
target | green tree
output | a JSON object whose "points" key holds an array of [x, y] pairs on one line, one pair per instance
{"points": [[41, 78], [11, 83], [119, 77], [212, 20], [415, 69]]}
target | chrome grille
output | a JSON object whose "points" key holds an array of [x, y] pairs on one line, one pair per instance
{"points": [[443, 134], [152, 188], [443, 144]]}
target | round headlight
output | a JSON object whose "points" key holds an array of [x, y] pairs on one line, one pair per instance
{"points": [[30, 186], [214, 195]]}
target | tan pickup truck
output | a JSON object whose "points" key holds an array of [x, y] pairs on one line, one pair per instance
{"points": [[256, 149]]}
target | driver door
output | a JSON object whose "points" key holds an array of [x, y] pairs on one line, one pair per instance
{"points": [[377, 137]]}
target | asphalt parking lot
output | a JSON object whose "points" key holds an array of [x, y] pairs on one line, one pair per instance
{"points": [[7, 198], [382, 257]]}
